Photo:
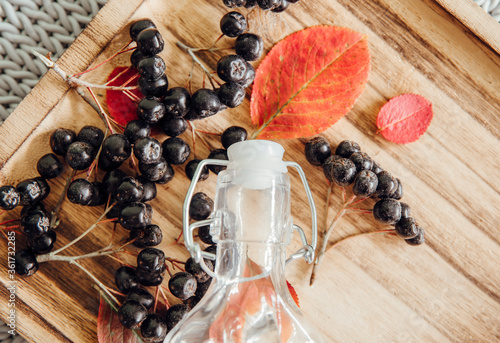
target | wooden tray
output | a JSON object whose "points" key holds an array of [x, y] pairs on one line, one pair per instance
{"points": [[372, 289]]}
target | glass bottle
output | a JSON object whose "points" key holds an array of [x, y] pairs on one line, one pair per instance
{"points": [[248, 299]]}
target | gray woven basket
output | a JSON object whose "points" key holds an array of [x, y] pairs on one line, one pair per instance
{"points": [[41, 25]]}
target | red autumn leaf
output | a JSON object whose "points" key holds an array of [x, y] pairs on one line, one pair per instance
{"points": [[120, 106], [293, 293], [109, 328], [405, 118], [308, 81]]}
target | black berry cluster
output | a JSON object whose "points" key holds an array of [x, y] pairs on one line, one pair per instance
{"points": [[272, 5], [348, 165], [137, 311]]}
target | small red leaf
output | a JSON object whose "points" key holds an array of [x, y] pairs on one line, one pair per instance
{"points": [[293, 293], [120, 106], [109, 328], [308, 81], [405, 118]]}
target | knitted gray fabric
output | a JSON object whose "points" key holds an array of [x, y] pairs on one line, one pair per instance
{"points": [[490, 6], [41, 25]]}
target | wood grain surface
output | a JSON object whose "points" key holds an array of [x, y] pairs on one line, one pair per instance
{"points": [[370, 289]]}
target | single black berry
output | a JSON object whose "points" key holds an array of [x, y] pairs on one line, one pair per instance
{"points": [[155, 171], [136, 57], [112, 179], [100, 195], [405, 210], [177, 101], [195, 269], [217, 154], [398, 193], [42, 244], [376, 168], [149, 189], [248, 78], [232, 68], [182, 285], [151, 110], [175, 150], [125, 279], [250, 3], [81, 192], [407, 228], [151, 68], [107, 165], [418, 239], [347, 148], [49, 166], [92, 135], [201, 206], [173, 126], [387, 184], [269, 4], [116, 148], [387, 211], [156, 88], [317, 150], [175, 314], [202, 289], [167, 176], [140, 26], [60, 141], [32, 208], [80, 155], [141, 296], [233, 135], [153, 329], [148, 279], [150, 236], [365, 184], [249, 46], [129, 190], [25, 262], [44, 187], [132, 314], [234, 3], [231, 94], [191, 169], [204, 235], [362, 161], [151, 260], [31, 191], [150, 42], [9, 198], [148, 150], [282, 7], [35, 224], [233, 24], [136, 215], [204, 103], [137, 129], [343, 172], [115, 211]]}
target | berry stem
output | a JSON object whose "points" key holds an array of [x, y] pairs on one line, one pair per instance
{"points": [[92, 227], [391, 231], [327, 204], [101, 110], [122, 50], [99, 284], [50, 257], [55, 213], [167, 304], [156, 298], [326, 236], [9, 221], [193, 137], [197, 61]]}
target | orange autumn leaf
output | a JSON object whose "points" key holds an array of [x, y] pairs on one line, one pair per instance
{"points": [[308, 81]]}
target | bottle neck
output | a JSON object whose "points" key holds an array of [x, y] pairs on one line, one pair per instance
{"points": [[238, 260]]}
